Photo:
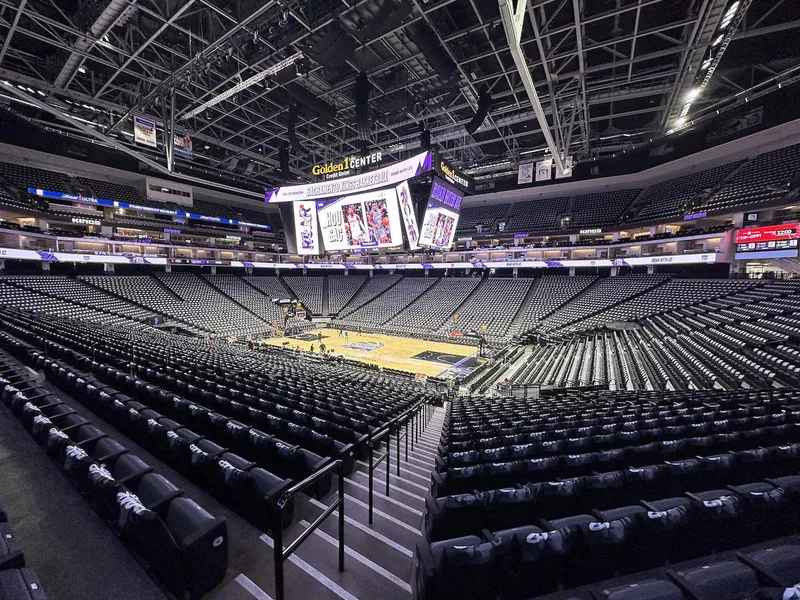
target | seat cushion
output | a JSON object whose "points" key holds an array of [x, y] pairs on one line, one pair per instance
{"points": [[650, 589], [722, 581]]}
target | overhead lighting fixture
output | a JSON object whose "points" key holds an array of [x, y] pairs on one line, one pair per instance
{"points": [[243, 85], [717, 41], [82, 70], [692, 95]]}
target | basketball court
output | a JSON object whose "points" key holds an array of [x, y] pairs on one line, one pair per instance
{"points": [[415, 356]]}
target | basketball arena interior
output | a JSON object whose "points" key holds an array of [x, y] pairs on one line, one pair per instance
{"points": [[393, 299]]}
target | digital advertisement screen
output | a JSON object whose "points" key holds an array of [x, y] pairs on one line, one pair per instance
{"points": [[305, 227], [774, 241], [370, 220], [441, 215], [409, 215]]}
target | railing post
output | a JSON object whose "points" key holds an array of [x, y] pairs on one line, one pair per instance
{"points": [[341, 516], [388, 459], [369, 445], [397, 467], [277, 542], [406, 440]]}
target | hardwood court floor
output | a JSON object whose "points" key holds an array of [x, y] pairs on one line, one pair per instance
{"points": [[386, 350]]}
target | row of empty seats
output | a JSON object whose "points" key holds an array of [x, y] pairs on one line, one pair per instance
{"points": [[588, 506], [185, 546]]}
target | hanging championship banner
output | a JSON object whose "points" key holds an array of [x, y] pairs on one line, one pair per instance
{"points": [[525, 174], [544, 170], [144, 132], [183, 146]]}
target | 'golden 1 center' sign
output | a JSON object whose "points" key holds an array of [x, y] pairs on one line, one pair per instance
{"points": [[346, 164]]}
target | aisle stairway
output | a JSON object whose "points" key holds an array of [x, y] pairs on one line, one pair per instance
{"points": [[378, 557]]}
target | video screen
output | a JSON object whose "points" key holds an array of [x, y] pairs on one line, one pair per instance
{"points": [[441, 215], [774, 241], [305, 227], [409, 215], [369, 220]]}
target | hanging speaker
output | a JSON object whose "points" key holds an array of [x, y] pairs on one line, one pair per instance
{"points": [[424, 137], [361, 99], [484, 104], [283, 157], [290, 127]]}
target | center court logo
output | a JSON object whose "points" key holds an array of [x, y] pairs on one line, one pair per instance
{"points": [[364, 346]]}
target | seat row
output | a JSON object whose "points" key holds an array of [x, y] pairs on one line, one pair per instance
{"points": [[16, 581], [184, 545], [464, 513], [577, 550]]}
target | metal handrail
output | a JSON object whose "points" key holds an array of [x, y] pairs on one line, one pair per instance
{"points": [[282, 554], [415, 415]]}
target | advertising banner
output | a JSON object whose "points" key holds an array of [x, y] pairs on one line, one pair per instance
{"points": [[370, 220], [183, 146], [391, 175], [409, 215], [771, 233], [144, 131], [305, 228]]}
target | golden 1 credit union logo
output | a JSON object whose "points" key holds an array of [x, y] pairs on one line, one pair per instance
{"points": [[347, 163]]}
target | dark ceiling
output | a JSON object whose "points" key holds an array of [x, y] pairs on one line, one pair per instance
{"points": [[609, 73]]}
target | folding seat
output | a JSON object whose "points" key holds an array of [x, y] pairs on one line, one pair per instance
{"points": [[668, 530], [11, 555], [325, 445], [457, 459], [187, 549], [457, 568], [603, 490], [574, 465], [69, 422], [197, 418], [531, 560], [624, 438], [458, 480], [559, 498], [594, 555], [20, 584], [675, 449], [456, 515], [647, 589], [753, 464], [87, 436], [155, 492], [779, 566], [717, 516], [726, 580], [702, 445], [785, 459], [642, 483], [644, 454], [721, 469], [681, 476], [763, 506]]}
